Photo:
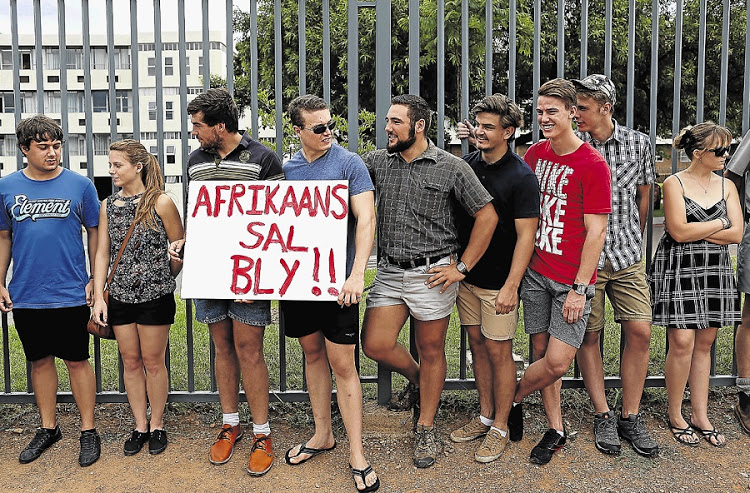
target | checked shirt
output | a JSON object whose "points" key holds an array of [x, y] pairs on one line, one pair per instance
{"points": [[416, 201], [631, 164]]}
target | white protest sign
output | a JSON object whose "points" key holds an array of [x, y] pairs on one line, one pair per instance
{"points": [[266, 240]]}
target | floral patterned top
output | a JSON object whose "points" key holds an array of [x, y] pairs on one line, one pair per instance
{"points": [[143, 273]]}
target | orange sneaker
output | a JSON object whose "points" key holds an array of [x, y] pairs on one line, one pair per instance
{"points": [[261, 455], [221, 450]]}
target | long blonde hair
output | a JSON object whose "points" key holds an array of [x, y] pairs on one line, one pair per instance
{"points": [[151, 177]]}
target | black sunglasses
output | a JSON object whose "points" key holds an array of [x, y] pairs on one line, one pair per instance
{"points": [[719, 151], [321, 127]]}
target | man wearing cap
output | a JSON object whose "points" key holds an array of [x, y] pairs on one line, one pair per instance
{"points": [[620, 273]]}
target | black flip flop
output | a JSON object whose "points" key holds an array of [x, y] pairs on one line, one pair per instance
{"points": [[304, 449], [709, 434], [678, 433], [362, 473]]}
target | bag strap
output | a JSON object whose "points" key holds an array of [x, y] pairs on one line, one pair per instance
{"points": [[119, 254]]}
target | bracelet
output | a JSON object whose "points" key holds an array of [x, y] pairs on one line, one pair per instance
{"points": [[725, 222], [91, 277]]}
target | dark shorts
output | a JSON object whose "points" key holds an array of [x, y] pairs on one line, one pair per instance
{"points": [[59, 332], [339, 324], [155, 312]]}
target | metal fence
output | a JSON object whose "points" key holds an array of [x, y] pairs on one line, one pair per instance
{"points": [[516, 35]]}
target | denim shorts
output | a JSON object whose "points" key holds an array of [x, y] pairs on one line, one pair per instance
{"points": [[257, 313]]}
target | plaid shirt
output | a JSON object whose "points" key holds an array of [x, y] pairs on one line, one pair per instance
{"points": [[416, 201], [631, 163]]}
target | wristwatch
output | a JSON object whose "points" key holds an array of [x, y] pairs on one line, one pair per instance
{"points": [[461, 267], [579, 288]]}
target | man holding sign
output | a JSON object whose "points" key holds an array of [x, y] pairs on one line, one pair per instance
{"points": [[418, 188], [327, 330], [236, 326]]}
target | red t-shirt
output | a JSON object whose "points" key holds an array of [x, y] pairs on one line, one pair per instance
{"points": [[572, 185]]}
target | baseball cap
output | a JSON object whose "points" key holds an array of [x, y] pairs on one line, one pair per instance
{"points": [[598, 82]]}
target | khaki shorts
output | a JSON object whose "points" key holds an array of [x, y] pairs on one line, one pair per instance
{"points": [[627, 292], [476, 306]]}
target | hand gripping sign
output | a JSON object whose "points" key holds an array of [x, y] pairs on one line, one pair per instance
{"points": [[266, 240]]}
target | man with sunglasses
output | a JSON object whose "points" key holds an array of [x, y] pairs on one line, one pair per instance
{"points": [[418, 188], [620, 273], [236, 327]]}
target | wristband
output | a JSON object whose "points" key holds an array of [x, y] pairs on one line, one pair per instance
{"points": [[728, 223]]}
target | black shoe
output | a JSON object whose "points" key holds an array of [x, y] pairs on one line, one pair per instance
{"points": [[605, 433], [91, 447], [550, 443], [134, 444], [158, 442], [515, 423], [43, 440]]}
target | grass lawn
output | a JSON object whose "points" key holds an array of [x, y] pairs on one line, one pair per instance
{"points": [[179, 350]]}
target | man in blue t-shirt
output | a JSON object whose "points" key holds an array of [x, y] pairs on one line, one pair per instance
{"points": [[488, 296], [328, 330], [43, 209]]}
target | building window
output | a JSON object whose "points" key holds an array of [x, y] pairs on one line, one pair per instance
{"points": [[101, 144], [74, 58], [84, 165], [27, 61], [7, 104], [152, 110], [122, 58], [173, 179], [200, 65], [9, 145], [152, 66], [187, 65], [52, 58], [52, 101], [6, 59], [98, 58], [169, 112], [171, 155], [53, 79], [99, 101], [122, 101], [168, 65], [28, 102], [77, 144]]}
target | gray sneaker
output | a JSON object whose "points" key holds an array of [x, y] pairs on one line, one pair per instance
{"points": [[426, 446], [634, 431], [605, 433]]}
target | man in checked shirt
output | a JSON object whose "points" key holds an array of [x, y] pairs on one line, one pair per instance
{"points": [[417, 188], [620, 273]]}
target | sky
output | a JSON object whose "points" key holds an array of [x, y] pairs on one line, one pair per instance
{"points": [[121, 9]]}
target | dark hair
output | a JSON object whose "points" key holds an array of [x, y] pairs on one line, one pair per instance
{"points": [[308, 102], [217, 106], [702, 136], [151, 178], [561, 89], [598, 96], [418, 109], [502, 106], [37, 128]]}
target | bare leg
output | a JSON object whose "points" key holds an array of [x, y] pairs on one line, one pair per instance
{"points": [[153, 348], [590, 364], [83, 386], [483, 372], [634, 364], [700, 370], [431, 346], [503, 379], [380, 330], [44, 381], [248, 343], [676, 371], [742, 342], [227, 367], [133, 374]]}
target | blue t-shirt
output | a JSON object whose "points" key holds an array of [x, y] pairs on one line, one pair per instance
{"points": [[45, 219], [336, 164]]}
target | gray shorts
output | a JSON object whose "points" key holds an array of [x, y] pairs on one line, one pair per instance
{"points": [[543, 301], [396, 286], [743, 263]]}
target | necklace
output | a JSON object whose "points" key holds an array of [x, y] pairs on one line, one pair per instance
{"points": [[705, 190]]}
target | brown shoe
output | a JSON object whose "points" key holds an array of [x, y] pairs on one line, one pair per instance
{"points": [[261, 455], [742, 411], [221, 450]]}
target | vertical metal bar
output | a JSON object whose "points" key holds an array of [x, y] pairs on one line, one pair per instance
{"points": [[746, 88], [230, 48], [301, 34], [414, 46], [254, 67], [282, 352], [724, 65], [584, 37], [6, 355], [62, 50], [206, 47], [462, 354], [561, 38], [440, 77], [120, 374], [326, 52], [16, 77], [278, 92], [464, 69], [159, 71], [87, 90], [488, 50], [631, 65], [701, 80], [608, 38], [536, 76], [677, 80], [29, 386], [652, 119], [168, 364], [512, 49], [190, 342], [98, 364], [383, 68], [38, 56], [111, 72], [352, 74], [134, 70]]}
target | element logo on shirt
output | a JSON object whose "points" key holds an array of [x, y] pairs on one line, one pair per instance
{"points": [[24, 208], [552, 179]]}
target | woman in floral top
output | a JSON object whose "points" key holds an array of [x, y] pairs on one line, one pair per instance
{"points": [[141, 296]]}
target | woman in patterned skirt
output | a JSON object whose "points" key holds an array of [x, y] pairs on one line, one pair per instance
{"points": [[141, 295], [692, 280]]}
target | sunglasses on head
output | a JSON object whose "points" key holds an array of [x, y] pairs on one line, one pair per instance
{"points": [[321, 127], [719, 151]]}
